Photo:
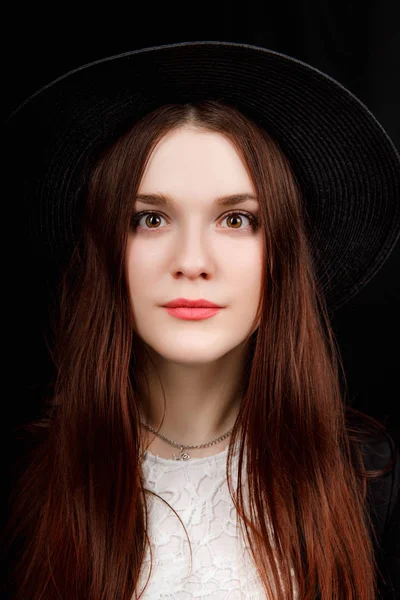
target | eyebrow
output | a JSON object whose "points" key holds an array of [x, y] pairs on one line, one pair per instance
{"points": [[164, 200]]}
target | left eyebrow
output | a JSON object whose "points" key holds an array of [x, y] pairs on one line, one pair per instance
{"points": [[164, 200]]}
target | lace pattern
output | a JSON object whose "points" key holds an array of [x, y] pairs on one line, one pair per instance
{"points": [[222, 567]]}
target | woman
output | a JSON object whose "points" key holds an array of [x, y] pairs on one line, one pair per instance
{"points": [[199, 452]]}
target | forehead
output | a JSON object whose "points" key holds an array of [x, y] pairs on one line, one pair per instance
{"points": [[190, 158]]}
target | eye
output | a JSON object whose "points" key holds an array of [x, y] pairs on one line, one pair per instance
{"points": [[253, 219]]}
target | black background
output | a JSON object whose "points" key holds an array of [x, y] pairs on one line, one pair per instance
{"points": [[356, 43]]}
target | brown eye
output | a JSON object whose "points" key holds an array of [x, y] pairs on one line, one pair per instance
{"points": [[152, 219], [235, 220]]}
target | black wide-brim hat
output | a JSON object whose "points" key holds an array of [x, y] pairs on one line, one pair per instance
{"points": [[347, 166]]}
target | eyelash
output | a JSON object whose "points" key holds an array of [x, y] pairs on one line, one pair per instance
{"points": [[254, 221]]}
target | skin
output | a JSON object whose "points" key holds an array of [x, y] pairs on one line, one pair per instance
{"points": [[194, 250]]}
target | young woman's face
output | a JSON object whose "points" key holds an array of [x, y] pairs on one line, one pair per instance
{"points": [[194, 249]]}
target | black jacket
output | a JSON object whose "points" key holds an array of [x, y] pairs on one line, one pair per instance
{"points": [[384, 504]]}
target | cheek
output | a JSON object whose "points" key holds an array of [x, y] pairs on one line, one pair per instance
{"points": [[141, 262], [248, 280], [245, 265]]}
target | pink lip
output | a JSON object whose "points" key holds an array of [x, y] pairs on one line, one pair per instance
{"points": [[187, 303], [192, 314]]}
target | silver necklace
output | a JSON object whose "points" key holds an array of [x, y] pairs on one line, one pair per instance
{"points": [[184, 455]]}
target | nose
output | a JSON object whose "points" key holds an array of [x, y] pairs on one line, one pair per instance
{"points": [[193, 255]]}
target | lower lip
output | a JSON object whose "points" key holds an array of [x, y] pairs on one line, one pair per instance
{"points": [[192, 314]]}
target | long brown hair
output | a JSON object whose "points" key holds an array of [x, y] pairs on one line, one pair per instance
{"points": [[79, 504]]}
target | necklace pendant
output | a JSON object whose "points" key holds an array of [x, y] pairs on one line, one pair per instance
{"points": [[183, 455]]}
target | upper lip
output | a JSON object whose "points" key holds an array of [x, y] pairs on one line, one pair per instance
{"points": [[192, 303]]}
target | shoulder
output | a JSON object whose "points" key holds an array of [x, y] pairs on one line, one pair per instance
{"points": [[372, 442], [381, 452], [383, 496]]}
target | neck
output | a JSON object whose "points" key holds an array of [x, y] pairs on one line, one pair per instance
{"points": [[201, 402]]}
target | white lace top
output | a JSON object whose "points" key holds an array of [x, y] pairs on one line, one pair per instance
{"points": [[222, 565]]}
